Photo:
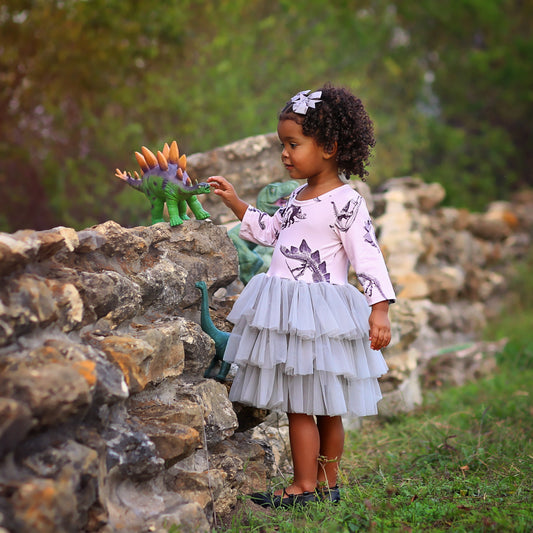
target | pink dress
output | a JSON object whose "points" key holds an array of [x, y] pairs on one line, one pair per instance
{"points": [[301, 330]]}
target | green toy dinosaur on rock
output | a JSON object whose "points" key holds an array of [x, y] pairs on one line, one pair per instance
{"points": [[220, 337], [165, 180]]}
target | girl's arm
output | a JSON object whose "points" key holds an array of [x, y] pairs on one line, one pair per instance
{"points": [[380, 333], [226, 191], [257, 226], [359, 242]]}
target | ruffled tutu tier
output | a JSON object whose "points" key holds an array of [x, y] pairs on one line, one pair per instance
{"points": [[303, 348]]}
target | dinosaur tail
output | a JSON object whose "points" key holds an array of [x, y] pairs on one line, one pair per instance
{"points": [[132, 182]]}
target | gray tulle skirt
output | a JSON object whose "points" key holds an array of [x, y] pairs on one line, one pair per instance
{"points": [[303, 348]]}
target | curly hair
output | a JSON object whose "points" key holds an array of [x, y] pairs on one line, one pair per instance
{"points": [[338, 120]]}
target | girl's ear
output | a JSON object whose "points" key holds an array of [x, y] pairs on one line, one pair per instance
{"points": [[328, 154]]}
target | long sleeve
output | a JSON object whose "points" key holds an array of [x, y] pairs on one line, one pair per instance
{"points": [[259, 227], [359, 241]]}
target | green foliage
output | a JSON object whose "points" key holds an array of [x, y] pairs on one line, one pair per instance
{"points": [[514, 321], [479, 71], [85, 84]]}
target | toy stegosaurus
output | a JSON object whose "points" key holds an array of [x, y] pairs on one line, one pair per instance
{"points": [[164, 179]]}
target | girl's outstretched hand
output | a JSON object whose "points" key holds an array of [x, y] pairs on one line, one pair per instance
{"points": [[380, 333], [223, 188]]}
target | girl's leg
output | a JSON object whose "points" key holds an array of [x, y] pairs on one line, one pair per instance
{"points": [[305, 445], [331, 436]]}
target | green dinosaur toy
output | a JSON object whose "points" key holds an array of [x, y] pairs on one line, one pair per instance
{"points": [[165, 180], [220, 337], [254, 258]]}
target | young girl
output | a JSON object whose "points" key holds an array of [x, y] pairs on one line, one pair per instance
{"points": [[305, 340]]}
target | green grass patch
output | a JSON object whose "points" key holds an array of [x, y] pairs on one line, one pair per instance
{"points": [[461, 462]]}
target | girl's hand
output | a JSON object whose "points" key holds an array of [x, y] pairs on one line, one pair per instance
{"points": [[380, 333], [223, 188]]}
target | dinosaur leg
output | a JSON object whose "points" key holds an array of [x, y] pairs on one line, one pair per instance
{"points": [[174, 212], [158, 205], [224, 369], [182, 206], [196, 207]]}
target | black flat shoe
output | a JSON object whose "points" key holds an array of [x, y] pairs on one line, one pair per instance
{"points": [[267, 499], [329, 494], [264, 499]]}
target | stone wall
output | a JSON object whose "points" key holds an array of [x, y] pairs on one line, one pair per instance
{"points": [[106, 423]]}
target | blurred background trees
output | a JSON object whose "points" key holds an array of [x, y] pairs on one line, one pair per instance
{"points": [[85, 83]]}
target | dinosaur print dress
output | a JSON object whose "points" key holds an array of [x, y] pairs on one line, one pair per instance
{"points": [[301, 331]]}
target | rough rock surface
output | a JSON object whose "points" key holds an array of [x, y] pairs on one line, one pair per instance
{"points": [[102, 403]]}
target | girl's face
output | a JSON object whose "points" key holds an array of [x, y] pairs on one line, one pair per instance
{"points": [[303, 158]]}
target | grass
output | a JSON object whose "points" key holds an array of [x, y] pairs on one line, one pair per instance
{"points": [[462, 462]]}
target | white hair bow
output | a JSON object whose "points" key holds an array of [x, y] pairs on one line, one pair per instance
{"points": [[302, 101]]}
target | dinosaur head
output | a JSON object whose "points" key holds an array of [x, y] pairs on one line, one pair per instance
{"points": [[275, 195]]}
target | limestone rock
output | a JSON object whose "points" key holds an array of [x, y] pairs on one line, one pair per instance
{"points": [[404, 398], [199, 349], [70, 238], [401, 365], [130, 452], [430, 195], [89, 241], [489, 226], [162, 286], [204, 488], [69, 305], [243, 461], [457, 365], [31, 304], [445, 283], [220, 419], [173, 441], [17, 250], [164, 402], [175, 429], [121, 243], [53, 392], [44, 506], [15, 423], [410, 285], [273, 436], [399, 232], [481, 284], [404, 326], [147, 505], [110, 386], [76, 465], [188, 247], [151, 351], [111, 295]]}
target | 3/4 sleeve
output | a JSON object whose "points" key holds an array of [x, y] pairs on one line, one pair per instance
{"points": [[357, 235], [259, 227]]}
